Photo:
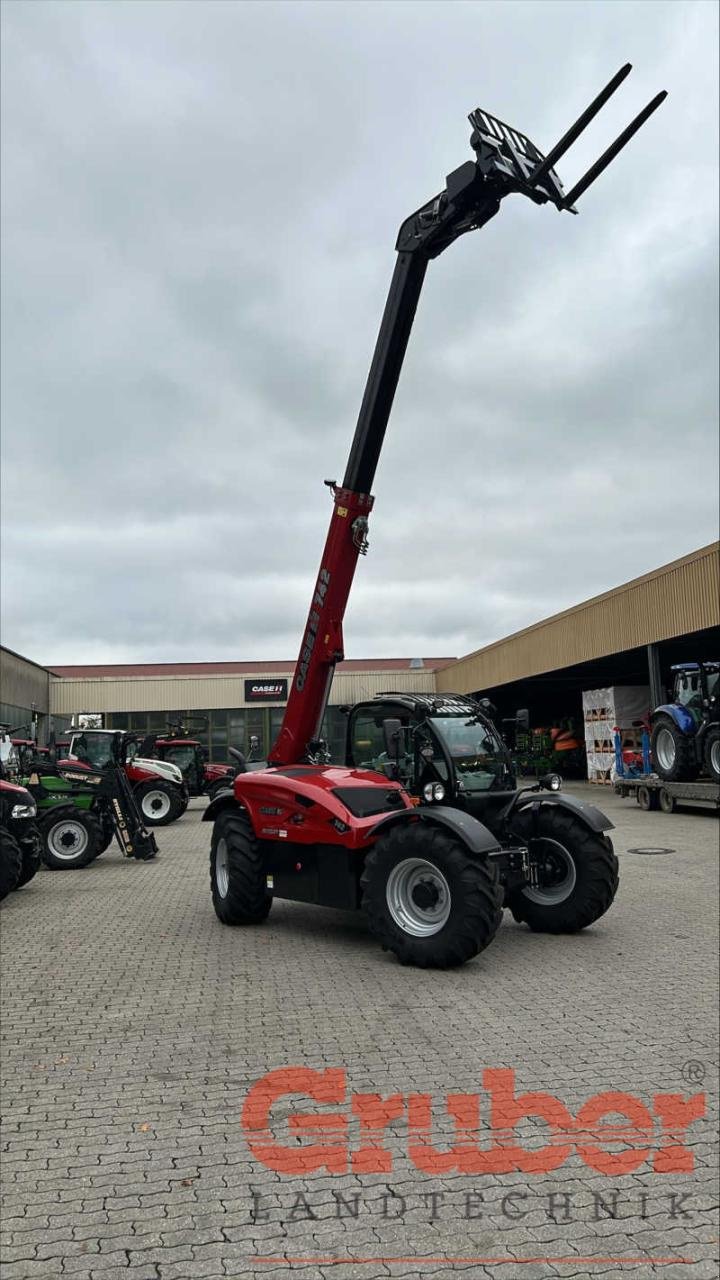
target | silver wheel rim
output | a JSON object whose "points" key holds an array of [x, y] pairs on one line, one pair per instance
{"points": [[418, 897], [665, 749], [67, 840], [715, 756], [156, 804], [222, 872], [558, 868]]}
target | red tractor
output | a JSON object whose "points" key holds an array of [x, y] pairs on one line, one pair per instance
{"points": [[188, 754], [431, 878]]}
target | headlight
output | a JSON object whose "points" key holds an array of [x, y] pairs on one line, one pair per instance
{"points": [[433, 791], [24, 810]]}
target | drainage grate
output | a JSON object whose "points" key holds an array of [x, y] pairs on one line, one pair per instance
{"points": [[651, 850]]}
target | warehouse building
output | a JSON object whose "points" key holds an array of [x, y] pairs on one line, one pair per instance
{"points": [[629, 636]]}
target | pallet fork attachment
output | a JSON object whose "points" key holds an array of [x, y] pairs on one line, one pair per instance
{"points": [[506, 161]]}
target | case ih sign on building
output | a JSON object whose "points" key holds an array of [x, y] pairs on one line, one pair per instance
{"points": [[266, 690]]}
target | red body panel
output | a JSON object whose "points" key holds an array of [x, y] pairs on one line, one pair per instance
{"points": [[301, 808], [10, 786], [322, 644], [213, 772]]}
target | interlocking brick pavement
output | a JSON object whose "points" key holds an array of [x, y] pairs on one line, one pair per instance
{"points": [[133, 1025]]}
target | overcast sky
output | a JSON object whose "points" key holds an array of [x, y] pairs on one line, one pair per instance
{"points": [[200, 204]]}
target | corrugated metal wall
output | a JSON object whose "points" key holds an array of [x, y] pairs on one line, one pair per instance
{"points": [[189, 693], [22, 683], [679, 598]]}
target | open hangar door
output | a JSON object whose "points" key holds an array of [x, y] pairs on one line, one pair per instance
{"points": [[554, 698]]}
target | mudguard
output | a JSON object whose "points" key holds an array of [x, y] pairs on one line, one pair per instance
{"points": [[681, 716], [587, 813], [474, 835], [224, 799]]}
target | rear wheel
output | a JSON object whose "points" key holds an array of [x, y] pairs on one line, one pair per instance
{"points": [[666, 801], [578, 873], [70, 839], [237, 874], [673, 752], [158, 803], [427, 900], [712, 752], [10, 863]]}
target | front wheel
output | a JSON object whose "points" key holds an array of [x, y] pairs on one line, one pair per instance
{"points": [[577, 873], [10, 863], [712, 752], [158, 803], [70, 839], [30, 852], [237, 875], [427, 900]]}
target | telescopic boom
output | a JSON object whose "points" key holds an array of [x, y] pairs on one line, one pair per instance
{"points": [[505, 161]]}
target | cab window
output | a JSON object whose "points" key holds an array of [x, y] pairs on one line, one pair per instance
{"points": [[368, 741]]}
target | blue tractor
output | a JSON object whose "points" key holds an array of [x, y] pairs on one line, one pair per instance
{"points": [[685, 733]]}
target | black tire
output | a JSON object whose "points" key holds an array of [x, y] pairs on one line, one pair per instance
{"points": [[458, 896], [182, 804], [712, 753], [237, 874], [10, 863], [107, 831], [30, 853], [673, 752], [647, 798], [70, 839], [222, 784], [158, 802], [667, 802], [580, 873]]}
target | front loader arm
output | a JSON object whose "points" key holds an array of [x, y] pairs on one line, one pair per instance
{"points": [[505, 161]]}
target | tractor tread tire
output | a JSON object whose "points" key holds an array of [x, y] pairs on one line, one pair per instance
{"points": [[107, 830], [685, 768], [10, 864], [248, 899], [167, 788], [712, 749], [86, 819], [596, 868], [476, 897], [31, 855]]}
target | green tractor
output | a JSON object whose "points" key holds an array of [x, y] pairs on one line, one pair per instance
{"points": [[79, 811]]}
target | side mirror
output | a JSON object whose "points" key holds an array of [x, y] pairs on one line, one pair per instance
{"points": [[392, 732], [522, 719]]}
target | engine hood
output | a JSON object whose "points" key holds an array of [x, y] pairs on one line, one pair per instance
{"points": [[161, 769]]}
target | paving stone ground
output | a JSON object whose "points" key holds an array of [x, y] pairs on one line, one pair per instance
{"points": [[134, 1025]]}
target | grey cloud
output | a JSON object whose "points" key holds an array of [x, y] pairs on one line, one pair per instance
{"points": [[200, 204]]}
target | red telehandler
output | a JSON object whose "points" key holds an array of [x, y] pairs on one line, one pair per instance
{"points": [[432, 879]]}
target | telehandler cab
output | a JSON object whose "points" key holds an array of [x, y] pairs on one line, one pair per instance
{"points": [[431, 878]]}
